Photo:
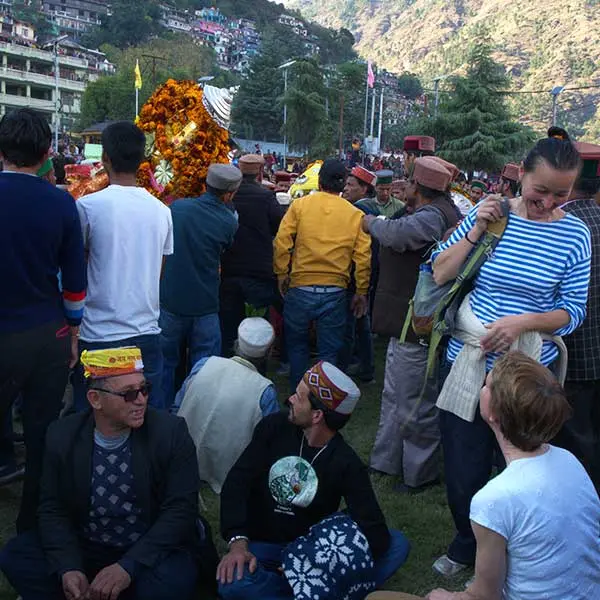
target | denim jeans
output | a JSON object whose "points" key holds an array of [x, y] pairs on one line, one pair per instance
{"points": [[329, 311], [201, 335], [235, 293], [358, 342], [22, 560], [267, 583], [153, 368]]}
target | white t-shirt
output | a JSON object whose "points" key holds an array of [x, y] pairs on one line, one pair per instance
{"points": [[548, 511], [126, 231]]}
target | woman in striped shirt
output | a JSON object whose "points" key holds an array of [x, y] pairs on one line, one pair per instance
{"points": [[536, 281]]}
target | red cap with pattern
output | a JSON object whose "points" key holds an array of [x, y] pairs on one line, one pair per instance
{"points": [[364, 175], [332, 388]]}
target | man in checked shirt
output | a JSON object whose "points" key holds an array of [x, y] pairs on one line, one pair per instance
{"points": [[581, 434]]}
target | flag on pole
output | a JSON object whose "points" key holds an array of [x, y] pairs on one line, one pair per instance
{"points": [[370, 75], [138, 76]]}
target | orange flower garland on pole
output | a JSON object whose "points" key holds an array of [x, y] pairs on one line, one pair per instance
{"points": [[183, 140]]}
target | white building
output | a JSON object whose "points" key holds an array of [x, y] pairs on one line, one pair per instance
{"points": [[27, 79]]}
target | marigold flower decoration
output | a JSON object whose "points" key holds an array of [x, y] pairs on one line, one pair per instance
{"points": [[186, 142]]}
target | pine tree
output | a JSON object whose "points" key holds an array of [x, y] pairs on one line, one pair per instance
{"points": [[475, 129]]}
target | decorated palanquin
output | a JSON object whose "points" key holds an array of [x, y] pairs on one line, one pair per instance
{"points": [[186, 129]]}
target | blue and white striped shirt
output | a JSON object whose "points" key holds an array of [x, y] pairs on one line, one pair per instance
{"points": [[537, 267]]}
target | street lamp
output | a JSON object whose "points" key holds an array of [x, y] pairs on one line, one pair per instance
{"points": [[285, 67], [205, 79], [555, 92], [55, 43]]}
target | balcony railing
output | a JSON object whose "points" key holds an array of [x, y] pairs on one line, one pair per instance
{"points": [[27, 52], [41, 79], [25, 102]]}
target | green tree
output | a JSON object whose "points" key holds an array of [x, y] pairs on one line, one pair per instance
{"points": [[475, 129], [305, 102], [257, 112], [112, 97], [127, 25]]}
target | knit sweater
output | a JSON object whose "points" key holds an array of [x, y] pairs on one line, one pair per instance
{"points": [[40, 236], [319, 238]]}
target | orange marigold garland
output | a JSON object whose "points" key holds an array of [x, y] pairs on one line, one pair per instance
{"points": [[182, 141]]}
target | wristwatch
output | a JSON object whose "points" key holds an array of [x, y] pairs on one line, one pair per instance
{"points": [[236, 538]]}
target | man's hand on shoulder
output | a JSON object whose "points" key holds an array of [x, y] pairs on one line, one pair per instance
{"points": [[109, 583], [237, 557], [75, 585]]}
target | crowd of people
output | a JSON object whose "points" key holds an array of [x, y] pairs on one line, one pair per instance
{"points": [[162, 320]]}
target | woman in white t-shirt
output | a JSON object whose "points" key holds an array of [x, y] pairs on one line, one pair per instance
{"points": [[537, 523]]}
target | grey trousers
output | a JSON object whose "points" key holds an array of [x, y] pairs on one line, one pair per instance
{"points": [[408, 438]]}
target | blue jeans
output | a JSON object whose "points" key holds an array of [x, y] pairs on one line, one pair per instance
{"points": [[153, 368], [23, 562], [202, 335], [266, 583], [329, 311], [358, 342]]}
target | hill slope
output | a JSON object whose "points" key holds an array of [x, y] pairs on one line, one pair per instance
{"points": [[542, 43]]}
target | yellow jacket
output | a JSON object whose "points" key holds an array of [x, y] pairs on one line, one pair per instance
{"points": [[318, 240]]}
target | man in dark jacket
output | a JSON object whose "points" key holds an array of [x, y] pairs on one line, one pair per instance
{"points": [[247, 267], [119, 498]]}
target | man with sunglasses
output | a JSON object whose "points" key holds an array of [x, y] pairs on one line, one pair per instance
{"points": [[119, 500]]}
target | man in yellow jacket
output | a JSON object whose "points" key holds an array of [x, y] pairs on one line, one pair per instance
{"points": [[319, 240]]}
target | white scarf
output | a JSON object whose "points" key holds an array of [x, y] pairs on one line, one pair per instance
{"points": [[460, 394]]}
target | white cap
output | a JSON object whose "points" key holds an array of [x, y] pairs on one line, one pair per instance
{"points": [[255, 336]]}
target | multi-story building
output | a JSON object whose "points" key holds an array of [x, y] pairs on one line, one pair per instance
{"points": [[75, 17], [27, 78]]}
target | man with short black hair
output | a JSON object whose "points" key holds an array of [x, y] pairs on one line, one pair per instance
{"points": [[291, 479], [126, 232], [318, 240], [40, 235], [247, 266], [189, 291]]}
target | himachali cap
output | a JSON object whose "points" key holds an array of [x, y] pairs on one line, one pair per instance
{"points": [[255, 336], [225, 178], [364, 175], [454, 170], [510, 171], [332, 388], [479, 184], [431, 174], [384, 177], [111, 362], [251, 164], [590, 155], [419, 143]]}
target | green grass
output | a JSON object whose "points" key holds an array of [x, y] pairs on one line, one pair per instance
{"points": [[425, 519]]}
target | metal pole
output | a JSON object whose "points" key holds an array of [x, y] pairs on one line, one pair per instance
{"points": [[137, 102], [342, 126], [373, 112], [436, 88], [285, 73], [554, 107], [380, 118], [366, 117], [56, 101]]}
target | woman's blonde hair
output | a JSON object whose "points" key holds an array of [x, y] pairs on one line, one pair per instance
{"points": [[527, 401]]}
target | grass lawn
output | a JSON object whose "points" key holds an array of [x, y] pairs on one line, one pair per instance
{"points": [[425, 519]]}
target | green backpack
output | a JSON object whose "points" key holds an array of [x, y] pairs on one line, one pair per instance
{"points": [[433, 308]]}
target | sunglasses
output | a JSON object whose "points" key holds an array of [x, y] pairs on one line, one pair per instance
{"points": [[129, 395]]}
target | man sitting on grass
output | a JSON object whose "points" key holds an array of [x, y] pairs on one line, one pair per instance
{"points": [[291, 479], [119, 500]]}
